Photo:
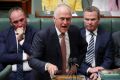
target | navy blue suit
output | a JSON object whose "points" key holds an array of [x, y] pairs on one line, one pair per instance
{"points": [[46, 48], [103, 50], [8, 45]]}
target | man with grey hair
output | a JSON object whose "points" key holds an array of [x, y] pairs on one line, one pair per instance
{"points": [[47, 58]]}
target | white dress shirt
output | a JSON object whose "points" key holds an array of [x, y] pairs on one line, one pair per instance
{"points": [[26, 66]]}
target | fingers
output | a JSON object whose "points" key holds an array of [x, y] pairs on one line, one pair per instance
{"points": [[99, 68], [93, 76], [73, 70], [20, 33], [52, 69], [93, 70]]}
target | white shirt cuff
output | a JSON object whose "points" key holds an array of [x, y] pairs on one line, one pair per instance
{"points": [[24, 56], [21, 42]]}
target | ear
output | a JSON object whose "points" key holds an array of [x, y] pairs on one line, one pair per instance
{"points": [[53, 18]]}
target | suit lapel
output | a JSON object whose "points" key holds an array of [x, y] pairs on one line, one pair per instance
{"points": [[98, 42], [55, 40], [28, 34], [11, 39], [55, 46], [83, 33]]}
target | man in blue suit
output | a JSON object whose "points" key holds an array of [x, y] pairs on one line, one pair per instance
{"points": [[18, 36], [103, 52], [47, 53]]}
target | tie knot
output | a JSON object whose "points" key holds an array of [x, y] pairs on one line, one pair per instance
{"points": [[62, 35], [91, 33]]}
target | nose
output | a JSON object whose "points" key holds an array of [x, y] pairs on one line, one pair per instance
{"points": [[65, 21], [89, 21]]}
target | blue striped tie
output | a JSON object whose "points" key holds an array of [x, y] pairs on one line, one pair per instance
{"points": [[20, 65], [90, 51]]}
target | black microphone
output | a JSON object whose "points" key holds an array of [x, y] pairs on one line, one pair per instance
{"points": [[73, 66], [70, 62], [75, 62]]}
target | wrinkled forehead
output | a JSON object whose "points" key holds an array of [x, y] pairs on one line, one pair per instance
{"points": [[16, 14]]}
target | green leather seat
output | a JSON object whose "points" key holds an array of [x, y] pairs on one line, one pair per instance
{"points": [[106, 23], [5, 72], [46, 22], [34, 22], [115, 24], [78, 22], [4, 22]]}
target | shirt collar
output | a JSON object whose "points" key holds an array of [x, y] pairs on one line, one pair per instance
{"points": [[59, 33], [88, 32]]}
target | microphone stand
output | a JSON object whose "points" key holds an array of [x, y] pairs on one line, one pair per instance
{"points": [[73, 64]]}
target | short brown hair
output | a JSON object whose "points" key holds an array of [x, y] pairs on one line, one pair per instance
{"points": [[91, 9]]}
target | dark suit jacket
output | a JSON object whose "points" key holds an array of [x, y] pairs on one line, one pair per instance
{"points": [[103, 50], [46, 48], [8, 45]]}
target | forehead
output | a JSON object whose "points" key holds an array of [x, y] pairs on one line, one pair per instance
{"points": [[17, 14], [92, 14]]}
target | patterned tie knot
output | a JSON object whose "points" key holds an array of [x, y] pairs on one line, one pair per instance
{"points": [[91, 33], [62, 35]]}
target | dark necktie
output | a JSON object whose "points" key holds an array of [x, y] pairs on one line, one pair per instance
{"points": [[20, 65], [63, 53], [90, 51]]}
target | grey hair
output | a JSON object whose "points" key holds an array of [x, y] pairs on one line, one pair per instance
{"points": [[15, 9], [61, 6]]}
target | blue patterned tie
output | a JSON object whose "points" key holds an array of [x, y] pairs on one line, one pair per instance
{"points": [[20, 65], [90, 51]]}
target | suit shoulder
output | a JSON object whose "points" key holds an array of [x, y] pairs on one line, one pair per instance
{"points": [[5, 31], [44, 32], [117, 34]]}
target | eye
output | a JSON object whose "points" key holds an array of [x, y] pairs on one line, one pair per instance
{"points": [[68, 19], [21, 20], [15, 22], [86, 19], [62, 18]]}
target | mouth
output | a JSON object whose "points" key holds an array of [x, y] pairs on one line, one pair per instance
{"points": [[64, 26]]}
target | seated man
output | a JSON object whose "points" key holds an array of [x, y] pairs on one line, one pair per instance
{"points": [[53, 46], [99, 54], [15, 43]]}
